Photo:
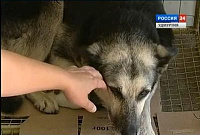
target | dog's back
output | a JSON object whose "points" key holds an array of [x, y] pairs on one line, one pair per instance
{"points": [[28, 28], [82, 17]]}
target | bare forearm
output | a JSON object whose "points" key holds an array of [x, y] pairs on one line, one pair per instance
{"points": [[22, 75]]}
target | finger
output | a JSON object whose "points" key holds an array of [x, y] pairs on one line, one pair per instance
{"points": [[101, 84], [82, 69], [92, 71], [95, 73], [76, 69], [88, 67], [90, 107], [74, 66]]}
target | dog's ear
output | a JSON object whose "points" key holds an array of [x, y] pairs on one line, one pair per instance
{"points": [[164, 55], [94, 49]]}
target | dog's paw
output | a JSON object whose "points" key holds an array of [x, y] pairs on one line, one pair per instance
{"points": [[47, 105], [43, 102]]}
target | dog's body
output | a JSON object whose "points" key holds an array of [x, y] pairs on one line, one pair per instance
{"points": [[117, 38]]}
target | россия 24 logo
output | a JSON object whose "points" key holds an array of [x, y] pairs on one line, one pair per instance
{"points": [[170, 21]]}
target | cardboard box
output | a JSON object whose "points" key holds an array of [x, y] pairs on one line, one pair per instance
{"points": [[70, 122], [65, 122], [179, 123]]}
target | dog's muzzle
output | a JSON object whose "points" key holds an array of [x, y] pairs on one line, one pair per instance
{"points": [[130, 130]]}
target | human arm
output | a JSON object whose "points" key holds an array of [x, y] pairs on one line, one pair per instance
{"points": [[22, 75]]}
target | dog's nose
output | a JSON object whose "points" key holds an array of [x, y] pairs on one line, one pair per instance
{"points": [[130, 130]]}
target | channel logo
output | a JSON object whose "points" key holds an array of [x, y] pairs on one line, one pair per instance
{"points": [[170, 21]]}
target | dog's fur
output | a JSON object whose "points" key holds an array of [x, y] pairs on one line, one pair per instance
{"points": [[117, 38]]}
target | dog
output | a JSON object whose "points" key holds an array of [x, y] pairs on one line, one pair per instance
{"points": [[119, 39]]}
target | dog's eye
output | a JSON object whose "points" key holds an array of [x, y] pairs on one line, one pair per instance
{"points": [[143, 94], [116, 92]]}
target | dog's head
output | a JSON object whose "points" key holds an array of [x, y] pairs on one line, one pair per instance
{"points": [[131, 68]]}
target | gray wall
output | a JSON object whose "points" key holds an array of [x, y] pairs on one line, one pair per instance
{"points": [[181, 7]]}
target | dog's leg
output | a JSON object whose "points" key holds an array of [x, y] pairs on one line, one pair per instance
{"points": [[48, 102], [43, 102]]}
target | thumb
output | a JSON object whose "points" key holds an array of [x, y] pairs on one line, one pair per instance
{"points": [[90, 107]]}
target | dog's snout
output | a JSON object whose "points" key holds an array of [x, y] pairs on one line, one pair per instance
{"points": [[130, 130]]}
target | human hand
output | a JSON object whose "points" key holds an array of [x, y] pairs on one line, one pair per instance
{"points": [[80, 83]]}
